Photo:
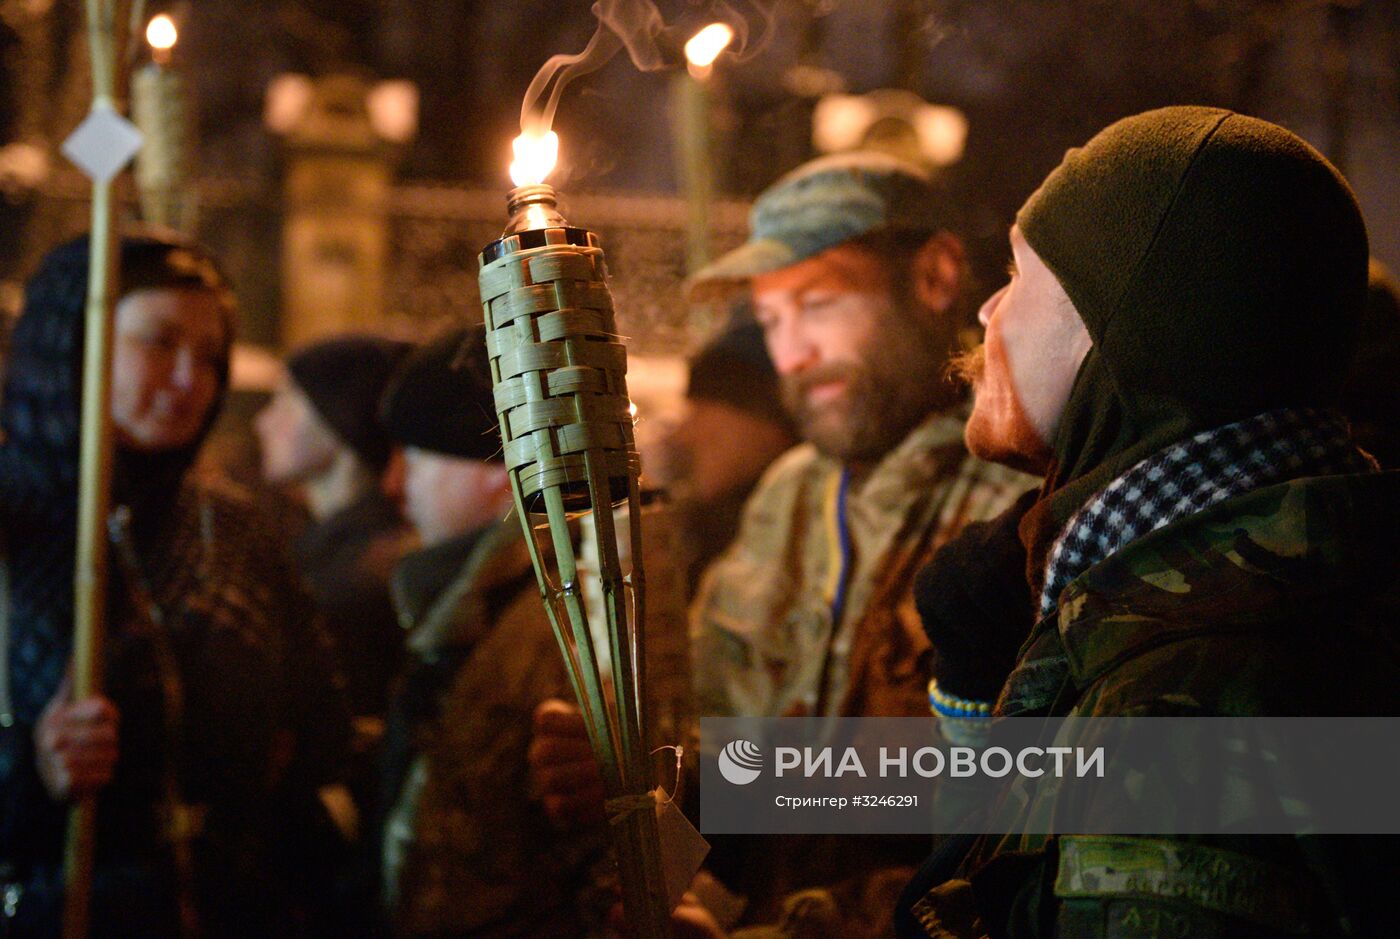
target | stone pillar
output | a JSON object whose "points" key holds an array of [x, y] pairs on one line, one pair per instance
{"points": [[335, 232]]}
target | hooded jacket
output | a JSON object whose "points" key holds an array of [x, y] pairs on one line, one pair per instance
{"points": [[1218, 263], [1219, 266], [202, 606]]}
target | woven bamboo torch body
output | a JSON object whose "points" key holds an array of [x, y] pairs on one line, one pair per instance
{"points": [[159, 107], [561, 397]]}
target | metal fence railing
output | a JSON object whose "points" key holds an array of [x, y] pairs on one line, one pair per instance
{"points": [[435, 232]]}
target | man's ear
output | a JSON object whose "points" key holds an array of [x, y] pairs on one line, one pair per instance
{"points": [[939, 271]]}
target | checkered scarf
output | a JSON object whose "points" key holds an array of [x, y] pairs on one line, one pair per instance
{"points": [[1194, 474]]}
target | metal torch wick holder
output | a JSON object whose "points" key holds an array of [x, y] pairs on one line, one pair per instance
{"points": [[535, 222]]}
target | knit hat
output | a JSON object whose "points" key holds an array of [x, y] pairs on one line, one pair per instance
{"points": [[344, 378], [733, 368], [1219, 265], [821, 204], [440, 399]]}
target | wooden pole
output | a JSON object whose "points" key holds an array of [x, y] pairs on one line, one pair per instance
{"points": [[106, 25]]}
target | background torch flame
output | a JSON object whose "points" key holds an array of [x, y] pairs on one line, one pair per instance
{"points": [[161, 33], [535, 156], [705, 46]]}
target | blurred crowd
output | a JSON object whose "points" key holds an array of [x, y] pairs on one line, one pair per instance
{"points": [[1159, 480]]}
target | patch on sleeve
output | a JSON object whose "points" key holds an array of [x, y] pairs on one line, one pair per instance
{"points": [[1114, 868], [1142, 919]]}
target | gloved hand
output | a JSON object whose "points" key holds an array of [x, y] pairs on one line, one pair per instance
{"points": [[976, 604]]}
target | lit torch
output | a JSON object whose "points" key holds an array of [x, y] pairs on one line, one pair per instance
{"points": [[690, 99], [159, 108], [559, 370]]}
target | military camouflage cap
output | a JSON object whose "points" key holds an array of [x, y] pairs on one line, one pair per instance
{"points": [[821, 204]]}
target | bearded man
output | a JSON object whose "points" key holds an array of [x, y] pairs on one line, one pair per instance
{"points": [[859, 286], [1171, 351]]}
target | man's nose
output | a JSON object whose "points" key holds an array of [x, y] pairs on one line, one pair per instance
{"points": [[262, 420], [985, 312], [394, 481], [186, 367], [790, 350]]}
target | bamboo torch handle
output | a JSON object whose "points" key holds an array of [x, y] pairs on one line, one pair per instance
{"points": [[90, 569], [106, 23]]}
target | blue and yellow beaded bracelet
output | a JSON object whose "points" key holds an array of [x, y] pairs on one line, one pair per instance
{"points": [[950, 705]]}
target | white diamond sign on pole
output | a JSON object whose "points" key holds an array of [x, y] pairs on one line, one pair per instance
{"points": [[103, 144]]}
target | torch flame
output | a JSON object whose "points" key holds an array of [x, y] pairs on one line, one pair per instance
{"points": [[161, 33], [704, 47], [535, 156]]}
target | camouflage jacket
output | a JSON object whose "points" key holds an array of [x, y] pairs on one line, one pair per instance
{"points": [[769, 637], [768, 634], [466, 851], [1280, 602]]}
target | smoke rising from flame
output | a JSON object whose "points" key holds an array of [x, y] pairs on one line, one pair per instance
{"points": [[638, 27]]}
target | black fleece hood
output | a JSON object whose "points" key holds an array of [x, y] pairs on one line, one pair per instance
{"points": [[1219, 264]]}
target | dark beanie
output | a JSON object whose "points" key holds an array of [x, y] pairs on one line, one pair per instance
{"points": [[733, 368], [344, 379], [440, 399], [1219, 264]]}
